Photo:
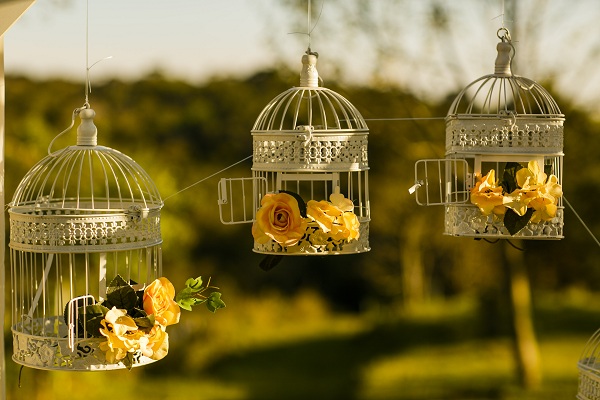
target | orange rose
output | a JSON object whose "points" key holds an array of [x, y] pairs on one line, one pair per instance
{"points": [[158, 301], [279, 219]]}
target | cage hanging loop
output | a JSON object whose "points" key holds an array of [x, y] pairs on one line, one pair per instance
{"points": [[504, 59], [504, 34]]}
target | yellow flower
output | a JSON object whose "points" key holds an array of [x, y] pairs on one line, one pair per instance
{"points": [[155, 344], [279, 219], [122, 335], [346, 227], [338, 200], [538, 191], [530, 176], [158, 301], [332, 220], [323, 213], [487, 195]]}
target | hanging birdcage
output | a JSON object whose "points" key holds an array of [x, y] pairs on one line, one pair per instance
{"points": [[309, 190], [502, 175], [80, 217], [589, 370]]}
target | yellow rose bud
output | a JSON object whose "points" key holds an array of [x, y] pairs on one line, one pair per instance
{"points": [[158, 301]]}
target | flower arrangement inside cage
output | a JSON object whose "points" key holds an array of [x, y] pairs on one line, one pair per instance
{"points": [[125, 330], [286, 224], [524, 196]]}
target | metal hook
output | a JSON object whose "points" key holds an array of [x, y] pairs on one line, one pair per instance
{"points": [[505, 36]]}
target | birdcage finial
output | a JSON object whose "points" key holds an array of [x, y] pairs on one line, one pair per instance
{"points": [[87, 133], [309, 76], [504, 58]]}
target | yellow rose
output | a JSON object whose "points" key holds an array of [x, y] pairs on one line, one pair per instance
{"points": [[155, 344], [488, 196], [158, 301], [332, 220], [279, 219], [346, 227], [122, 335], [339, 201], [323, 213]]}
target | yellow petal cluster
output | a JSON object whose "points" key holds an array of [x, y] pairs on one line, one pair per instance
{"points": [[123, 336], [536, 191], [488, 196], [279, 219]]}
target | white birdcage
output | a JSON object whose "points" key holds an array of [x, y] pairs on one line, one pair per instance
{"points": [[311, 143], [589, 370], [80, 217], [498, 124]]}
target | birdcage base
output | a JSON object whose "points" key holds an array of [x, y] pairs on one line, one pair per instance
{"points": [[467, 220], [42, 343], [589, 380], [316, 243]]}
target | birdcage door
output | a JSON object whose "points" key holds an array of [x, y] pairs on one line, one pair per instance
{"points": [[239, 198], [442, 181]]}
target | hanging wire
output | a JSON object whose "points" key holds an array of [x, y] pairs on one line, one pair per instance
{"points": [[582, 222], [208, 177], [73, 116], [88, 85], [310, 28]]}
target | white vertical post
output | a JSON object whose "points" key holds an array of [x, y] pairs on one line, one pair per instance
{"points": [[10, 12], [2, 225]]}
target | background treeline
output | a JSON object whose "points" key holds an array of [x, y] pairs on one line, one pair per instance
{"points": [[181, 133]]}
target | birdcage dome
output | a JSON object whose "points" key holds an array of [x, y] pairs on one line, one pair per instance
{"points": [[589, 369], [85, 198], [504, 111], [310, 127]]}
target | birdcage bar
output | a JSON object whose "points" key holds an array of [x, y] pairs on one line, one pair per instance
{"points": [[52, 178]]}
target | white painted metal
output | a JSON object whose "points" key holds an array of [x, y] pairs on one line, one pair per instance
{"points": [[496, 119], [79, 217], [589, 369], [310, 140], [10, 12]]}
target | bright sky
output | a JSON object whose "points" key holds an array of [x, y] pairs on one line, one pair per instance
{"points": [[196, 39], [187, 38]]}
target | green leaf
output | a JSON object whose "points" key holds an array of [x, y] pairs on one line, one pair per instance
{"points": [[214, 302], [195, 284], [187, 303], [270, 261], [128, 361], [186, 300], [94, 314], [121, 295], [81, 302], [137, 313], [509, 177], [514, 222], [301, 203], [145, 322]]}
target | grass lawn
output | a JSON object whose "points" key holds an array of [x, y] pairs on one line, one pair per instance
{"points": [[431, 354]]}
